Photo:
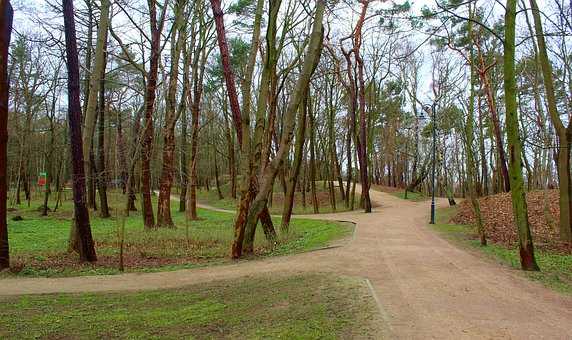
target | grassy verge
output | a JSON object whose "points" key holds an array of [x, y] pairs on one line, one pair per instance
{"points": [[412, 196], [556, 269], [227, 202], [294, 307], [38, 244]]}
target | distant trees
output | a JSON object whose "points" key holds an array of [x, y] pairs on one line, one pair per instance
{"points": [[174, 103]]}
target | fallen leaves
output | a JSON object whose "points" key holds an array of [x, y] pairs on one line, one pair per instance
{"points": [[543, 215]]}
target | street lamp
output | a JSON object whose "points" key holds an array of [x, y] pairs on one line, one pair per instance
{"points": [[430, 109]]}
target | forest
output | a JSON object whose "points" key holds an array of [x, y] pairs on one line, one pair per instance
{"points": [[162, 136]]}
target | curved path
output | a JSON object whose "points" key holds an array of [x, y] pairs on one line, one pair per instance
{"points": [[426, 287]]}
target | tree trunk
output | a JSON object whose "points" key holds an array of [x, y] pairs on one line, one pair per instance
{"points": [[6, 16], [171, 116], [361, 144], [95, 81], [312, 165], [302, 86], [131, 180], [295, 171], [192, 186], [184, 128], [81, 215], [216, 172], [183, 162], [519, 206], [469, 137], [101, 175], [231, 156], [564, 133], [148, 129]]}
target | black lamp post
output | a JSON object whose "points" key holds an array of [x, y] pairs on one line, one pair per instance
{"points": [[433, 120]]}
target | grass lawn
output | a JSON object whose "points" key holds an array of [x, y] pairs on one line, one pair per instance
{"points": [[211, 198], [556, 269], [38, 244], [295, 307], [412, 196]]}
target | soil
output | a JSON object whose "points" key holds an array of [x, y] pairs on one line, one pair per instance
{"points": [[425, 286], [543, 215]]}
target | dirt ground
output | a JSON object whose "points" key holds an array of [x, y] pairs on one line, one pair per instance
{"points": [[426, 288]]}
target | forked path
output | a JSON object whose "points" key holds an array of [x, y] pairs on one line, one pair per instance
{"points": [[426, 287]]}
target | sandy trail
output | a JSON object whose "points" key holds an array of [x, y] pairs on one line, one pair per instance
{"points": [[426, 287]]}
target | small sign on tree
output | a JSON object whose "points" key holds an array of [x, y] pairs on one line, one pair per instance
{"points": [[43, 179]]}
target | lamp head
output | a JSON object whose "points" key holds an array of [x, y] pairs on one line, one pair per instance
{"points": [[427, 108]]}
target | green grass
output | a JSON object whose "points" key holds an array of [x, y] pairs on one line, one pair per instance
{"points": [[40, 243], [227, 202], [556, 269], [294, 307], [412, 196]]}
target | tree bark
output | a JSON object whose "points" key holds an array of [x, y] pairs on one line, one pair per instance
{"points": [[302, 85], [6, 16], [519, 206], [95, 81], [101, 175], [178, 36], [148, 129], [81, 215], [295, 171], [564, 133]]}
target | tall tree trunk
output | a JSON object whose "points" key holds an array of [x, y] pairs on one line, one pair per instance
{"points": [[241, 121], [6, 16], [302, 86], [361, 144], [295, 171], [178, 36], [469, 138], [184, 127], [231, 156], [198, 66], [193, 180], [95, 81], [519, 206], [216, 173], [312, 165], [131, 181], [148, 129], [349, 169], [101, 175], [81, 214], [482, 151], [183, 162], [122, 151], [564, 133]]}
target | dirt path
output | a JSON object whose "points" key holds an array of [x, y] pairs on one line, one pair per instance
{"points": [[426, 287]]}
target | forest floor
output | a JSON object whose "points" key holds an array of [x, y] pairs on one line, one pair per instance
{"points": [[38, 244], [543, 215], [424, 286]]}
